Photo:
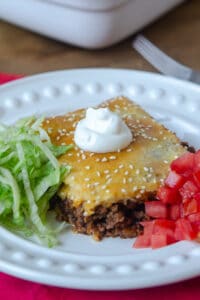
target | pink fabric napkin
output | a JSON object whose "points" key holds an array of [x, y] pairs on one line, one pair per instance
{"points": [[14, 288]]}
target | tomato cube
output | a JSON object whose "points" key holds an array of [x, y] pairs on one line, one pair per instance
{"points": [[184, 165], [196, 177], [162, 224], [168, 195], [188, 190], [156, 209], [158, 240], [147, 227], [184, 230], [194, 217], [174, 180], [197, 161], [190, 207], [174, 211], [142, 241], [197, 197]]}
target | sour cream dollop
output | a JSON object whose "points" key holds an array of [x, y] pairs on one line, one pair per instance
{"points": [[102, 131]]}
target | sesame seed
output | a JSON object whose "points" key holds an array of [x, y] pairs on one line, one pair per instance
{"points": [[109, 180], [146, 169], [88, 185], [108, 176], [116, 171], [87, 167], [83, 156], [87, 179], [107, 191], [103, 187], [124, 180], [104, 159], [165, 161], [70, 154], [113, 157], [47, 121], [98, 174], [97, 159], [123, 190], [58, 138], [131, 166], [130, 179], [91, 154], [78, 154], [142, 192], [135, 188], [96, 183], [121, 166], [106, 171], [137, 171], [72, 177], [126, 173]]}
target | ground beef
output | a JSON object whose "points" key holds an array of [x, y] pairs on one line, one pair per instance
{"points": [[120, 219]]}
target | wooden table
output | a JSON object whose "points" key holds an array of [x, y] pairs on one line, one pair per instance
{"points": [[177, 33]]}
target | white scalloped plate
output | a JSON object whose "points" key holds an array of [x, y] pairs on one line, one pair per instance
{"points": [[80, 262]]}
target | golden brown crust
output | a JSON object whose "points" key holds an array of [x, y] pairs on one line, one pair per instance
{"points": [[133, 173]]}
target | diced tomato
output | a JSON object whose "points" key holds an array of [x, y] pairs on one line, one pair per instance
{"points": [[190, 207], [197, 162], [188, 190], [184, 164], [174, 211], [168, 195], [196, 177], [165, 227], [184, 230], [197, 197], [142, 241], [161, 224], [194, 217], [196, 227], [147, 227], [158, 240], [174, 180], [177, 212], [156, 209]]}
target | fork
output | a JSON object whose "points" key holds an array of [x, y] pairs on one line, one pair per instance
{"points": [[164, 63]]}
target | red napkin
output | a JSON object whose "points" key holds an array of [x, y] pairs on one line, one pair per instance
{"points": [[14, 288]]}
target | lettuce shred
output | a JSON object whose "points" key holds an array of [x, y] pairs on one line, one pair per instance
{"points": [[30, 175]]}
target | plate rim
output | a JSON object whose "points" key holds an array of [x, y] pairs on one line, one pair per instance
{"points": [[130, 285]]}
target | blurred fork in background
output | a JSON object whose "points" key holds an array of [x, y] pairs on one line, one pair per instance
{"points": [[162, 61]]}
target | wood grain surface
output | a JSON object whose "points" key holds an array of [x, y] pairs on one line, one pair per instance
{"points": [[177, 33]]}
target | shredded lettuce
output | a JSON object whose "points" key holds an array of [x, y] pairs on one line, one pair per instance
{"points": [[30, 175]]}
